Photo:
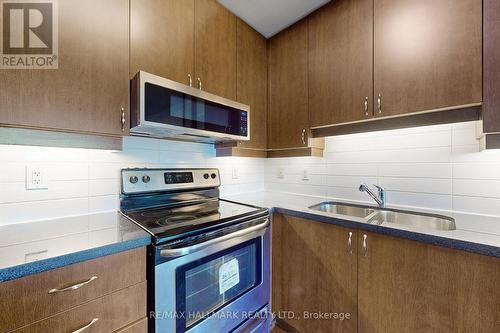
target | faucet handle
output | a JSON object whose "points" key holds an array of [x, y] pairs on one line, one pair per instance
{"points": [[380, 188]]}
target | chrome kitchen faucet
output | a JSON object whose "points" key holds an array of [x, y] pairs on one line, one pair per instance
{"points": [[380, 198]]}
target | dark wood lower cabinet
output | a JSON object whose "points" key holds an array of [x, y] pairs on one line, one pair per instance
{"points": [[114, 293], [313, 274], [105, 314], [395, 286], [407, 286]]}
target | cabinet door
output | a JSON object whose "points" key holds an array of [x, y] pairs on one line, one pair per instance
{"points": [[288, 88], [91, 85], [428, 54], [340, 62], [215, 48], [407, 286], [162, 38], [313, 272], [252, 82]]}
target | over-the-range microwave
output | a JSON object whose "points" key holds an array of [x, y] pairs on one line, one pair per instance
{"points": [[163, 108]]}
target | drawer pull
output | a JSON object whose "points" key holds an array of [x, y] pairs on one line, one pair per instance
{"points": [[73, 287], [92, 322]]}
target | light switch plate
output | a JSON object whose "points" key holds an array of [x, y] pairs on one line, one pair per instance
{"points": [[36, 178]]}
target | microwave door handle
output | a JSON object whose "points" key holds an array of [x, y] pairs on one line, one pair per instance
{"points": [[182, 251]]}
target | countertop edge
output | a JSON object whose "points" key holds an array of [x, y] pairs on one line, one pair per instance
{"points": [[483, 249], [19, 271]]}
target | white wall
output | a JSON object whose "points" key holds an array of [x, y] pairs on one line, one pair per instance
{"points": [[437, 167], [433, 167], [82, 181]]}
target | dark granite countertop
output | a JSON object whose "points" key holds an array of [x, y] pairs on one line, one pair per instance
{"points": [[474, 233], [34, 247]]}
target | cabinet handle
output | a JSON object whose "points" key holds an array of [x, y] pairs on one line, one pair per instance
{"points": [[190, 80], [92, 322], [73, 287], [303, 136], [379, 103], [199, 83], [366, 106], [365, 246], [349, 243], [123, 118]]}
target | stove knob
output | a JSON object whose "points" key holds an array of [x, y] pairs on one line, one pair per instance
{"points": [[206, 176], [214, 176], [146, 179], [134, 179]]}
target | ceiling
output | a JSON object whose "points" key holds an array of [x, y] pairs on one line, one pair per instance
{"points": [[271, 16]]}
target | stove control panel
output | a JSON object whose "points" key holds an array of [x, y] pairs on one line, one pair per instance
{"points": [[154, 180]]}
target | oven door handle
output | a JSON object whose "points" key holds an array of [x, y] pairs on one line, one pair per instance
{"points": [[182, 251]]}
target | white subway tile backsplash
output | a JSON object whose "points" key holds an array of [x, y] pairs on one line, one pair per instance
{"points": [[416, 170], [476, 171], [347, 193], [104, 203], [104, 187], [477, 188], [417, 185], [41, 210], [439, 167], [104, 171], [351, 181], [436, 167], [426, 200], [16, 192], [352, 169], [12, 171], [477, 205], [84, 181]]}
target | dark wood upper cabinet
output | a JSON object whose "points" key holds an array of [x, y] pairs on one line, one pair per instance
{"points": [[215, 48], [491, 70], [288, 88], [427, 54], [314, 271], [90, 87], [162, 38], [340, 62], [252, 82], [407, 286]]}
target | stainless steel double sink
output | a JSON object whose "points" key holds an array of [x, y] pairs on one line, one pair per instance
{"points": [[388, 216]]}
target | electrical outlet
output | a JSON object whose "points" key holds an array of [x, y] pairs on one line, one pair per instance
{"points": [[281, 173], [35, 178], [305, 174], [235, 173]]}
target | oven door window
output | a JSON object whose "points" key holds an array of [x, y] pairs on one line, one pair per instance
{"points": [[208, 284]]}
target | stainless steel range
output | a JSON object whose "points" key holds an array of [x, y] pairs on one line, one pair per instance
{"points": [[208, 266]]}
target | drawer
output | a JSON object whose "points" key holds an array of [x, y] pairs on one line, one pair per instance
{"points": [[140, 326], [27, 299], [103, 315]]}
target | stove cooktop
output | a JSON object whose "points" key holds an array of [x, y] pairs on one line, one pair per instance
{"points": [[175, 222]]}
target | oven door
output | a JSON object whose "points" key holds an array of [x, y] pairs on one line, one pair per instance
{"points": [[213, 286]]}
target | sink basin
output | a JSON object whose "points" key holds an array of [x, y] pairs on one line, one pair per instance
{"points": [[343, 209], [413, 220], [388, 217]]}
